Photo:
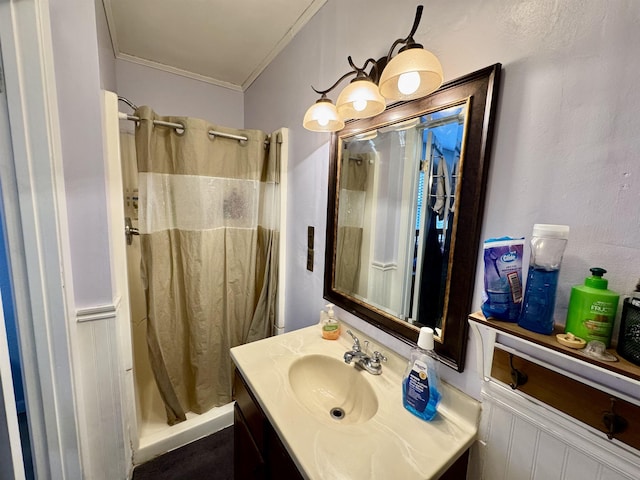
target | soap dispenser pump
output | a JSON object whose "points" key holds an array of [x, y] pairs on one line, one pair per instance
{"points": [[329, 324]]}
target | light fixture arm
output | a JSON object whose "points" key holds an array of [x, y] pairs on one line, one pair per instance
{"points": [[324, 92], [408, 41], [358, 72], [416, 22]]}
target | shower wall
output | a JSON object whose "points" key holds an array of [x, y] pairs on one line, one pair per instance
{"points": [[149, 408]]}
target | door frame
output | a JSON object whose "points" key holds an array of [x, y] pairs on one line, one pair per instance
{"points": [[35, 208], [8, 407]]}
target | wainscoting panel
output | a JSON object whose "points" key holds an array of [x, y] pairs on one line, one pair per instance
{"points": [[104, 451], [383, 284], [521, 438]]}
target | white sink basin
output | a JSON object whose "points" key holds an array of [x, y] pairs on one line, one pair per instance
{"points": [[332, 390], [299, 377]]}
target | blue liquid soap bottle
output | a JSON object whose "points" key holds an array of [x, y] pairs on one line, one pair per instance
{"points": [[547, 247], [421, 385]]}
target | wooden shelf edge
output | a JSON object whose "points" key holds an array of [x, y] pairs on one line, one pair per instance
{"points": [[621, 367]]}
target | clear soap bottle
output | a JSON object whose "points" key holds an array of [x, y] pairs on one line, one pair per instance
{"points": [[329, 324], [547, 247], [421, 385]]}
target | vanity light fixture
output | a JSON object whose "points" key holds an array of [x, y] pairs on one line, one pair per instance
{"points": [[413, 73]]}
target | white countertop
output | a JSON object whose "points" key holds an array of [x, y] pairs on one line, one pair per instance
{"points": [[391, 444]]}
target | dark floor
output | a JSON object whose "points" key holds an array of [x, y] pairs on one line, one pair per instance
{"points": [[209, 458]]}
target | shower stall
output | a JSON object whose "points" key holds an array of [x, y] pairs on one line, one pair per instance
{"points": [[150, 433]]}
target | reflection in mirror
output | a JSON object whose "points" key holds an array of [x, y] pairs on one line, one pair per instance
{"points": [[406, 195], [396, 214]]}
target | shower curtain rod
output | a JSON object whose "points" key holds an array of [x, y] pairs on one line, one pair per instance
{"points": [[178, 126]]}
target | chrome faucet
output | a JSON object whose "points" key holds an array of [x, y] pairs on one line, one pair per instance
{"points": [[372, 364]]}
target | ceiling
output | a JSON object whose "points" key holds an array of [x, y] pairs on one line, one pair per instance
{"points": [[224, 42]]}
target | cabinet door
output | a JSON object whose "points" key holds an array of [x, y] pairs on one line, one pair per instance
{"points": [[254, 418], [259, 452], [280, 463], [247, 459]]}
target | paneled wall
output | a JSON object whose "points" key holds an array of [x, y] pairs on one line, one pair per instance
{"points": [[524, 439]]}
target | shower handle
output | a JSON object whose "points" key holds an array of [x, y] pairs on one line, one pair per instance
{"points": [[129, 230]]}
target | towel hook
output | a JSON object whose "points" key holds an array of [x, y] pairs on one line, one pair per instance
{"points": [[518, 378], [613, 422]]}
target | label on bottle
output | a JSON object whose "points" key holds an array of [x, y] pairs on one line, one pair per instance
{"points": [[330, 327], [417, 385], [601, 309], [600, 324]]}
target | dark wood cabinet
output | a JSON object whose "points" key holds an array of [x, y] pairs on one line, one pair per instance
{"points": [[258, 451]]}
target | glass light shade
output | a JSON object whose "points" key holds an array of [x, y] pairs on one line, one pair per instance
{"points": [[399, 78], [360, 99], [322, 116]]}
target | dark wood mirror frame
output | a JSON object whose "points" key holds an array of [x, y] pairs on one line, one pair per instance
{"points": [[481, 88]]}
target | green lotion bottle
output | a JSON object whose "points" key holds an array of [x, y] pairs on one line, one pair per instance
{"points": [[592, 309]]}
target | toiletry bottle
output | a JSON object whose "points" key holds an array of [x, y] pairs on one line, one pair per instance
{"points": [[547, 247], [592, 309], [420, 385], [329, 324], [629, 336]]}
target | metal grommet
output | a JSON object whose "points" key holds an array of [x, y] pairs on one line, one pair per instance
{"points": [[180, 130]]}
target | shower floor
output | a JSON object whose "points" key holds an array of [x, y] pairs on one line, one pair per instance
{"points": [[157, 437]]}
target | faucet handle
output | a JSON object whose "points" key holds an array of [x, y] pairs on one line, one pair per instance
{"points": [[356, 342], [378, 357]]}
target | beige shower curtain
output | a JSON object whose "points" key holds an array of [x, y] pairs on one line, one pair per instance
{"points": [[209, 215], [353, 196]]}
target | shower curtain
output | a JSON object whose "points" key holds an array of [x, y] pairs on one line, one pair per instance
{"points": [[351, 222], [208, 221]]}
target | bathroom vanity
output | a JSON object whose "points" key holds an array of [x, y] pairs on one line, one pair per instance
{"points": [[301, 412]]}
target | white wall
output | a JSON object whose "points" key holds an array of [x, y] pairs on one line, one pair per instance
{"points": [[170, 94], [566, 139], [105, 50], [167, 93], [77, 71]]}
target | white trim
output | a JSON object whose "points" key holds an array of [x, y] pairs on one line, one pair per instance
{"points": [[178, 71], [101, 312], [282, 254], [582, 371], [382, 266], [44, 271]]}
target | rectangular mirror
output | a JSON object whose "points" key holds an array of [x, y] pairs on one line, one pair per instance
{"points": [[406, 192]]}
